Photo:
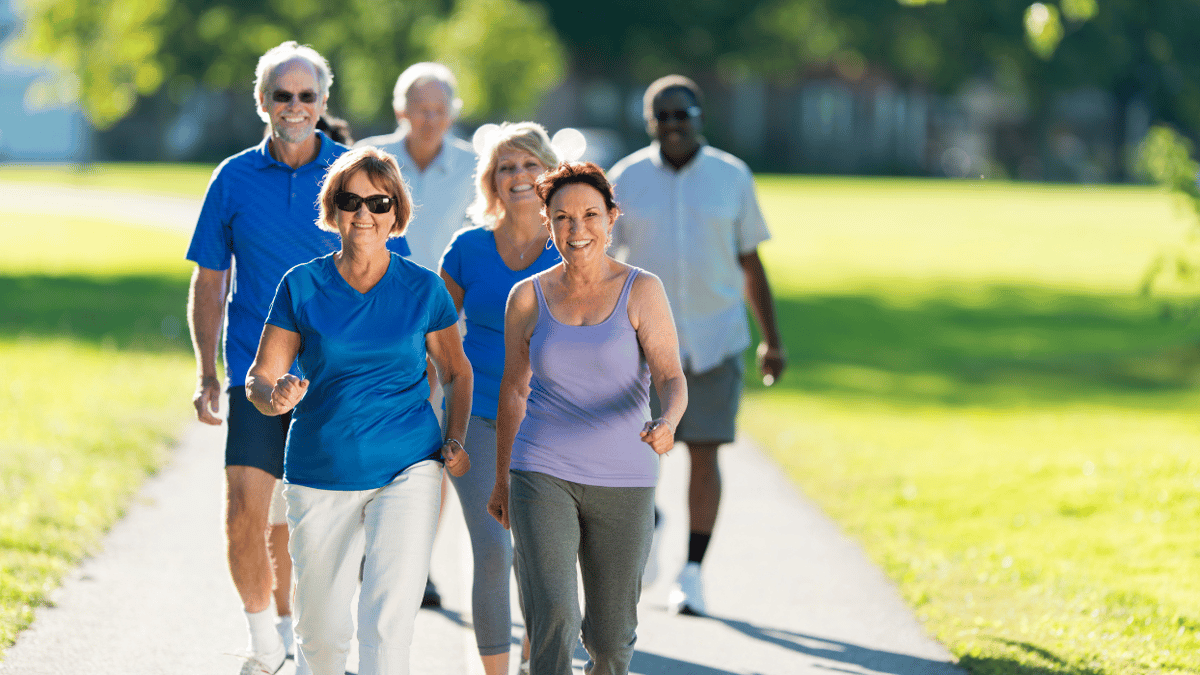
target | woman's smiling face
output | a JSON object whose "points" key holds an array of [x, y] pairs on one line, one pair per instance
{"points": [[580, 224]]}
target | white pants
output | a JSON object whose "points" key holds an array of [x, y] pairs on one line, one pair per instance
{"points": [[330, 532]]}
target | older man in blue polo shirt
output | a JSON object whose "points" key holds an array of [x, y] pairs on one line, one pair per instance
{"points": [[258, 221]]}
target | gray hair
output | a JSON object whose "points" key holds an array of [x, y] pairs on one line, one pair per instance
{"points": [[423, 73], [281, 54]]}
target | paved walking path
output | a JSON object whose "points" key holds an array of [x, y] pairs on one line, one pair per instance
{"points": [[788, 594]]}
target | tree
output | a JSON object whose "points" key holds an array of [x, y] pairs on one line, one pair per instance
{"points": [[110, 52]]}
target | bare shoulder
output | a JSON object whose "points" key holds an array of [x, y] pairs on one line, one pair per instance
{"points": [[646, 286]]}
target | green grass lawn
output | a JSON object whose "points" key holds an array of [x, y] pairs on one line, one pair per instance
{"points": [[978, 395], [186, 180], [97, 381]]}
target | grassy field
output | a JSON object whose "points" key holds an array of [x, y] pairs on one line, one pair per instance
{"points": [[98, 375], [978, 396], [186, 180]]}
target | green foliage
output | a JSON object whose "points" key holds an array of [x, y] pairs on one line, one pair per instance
{"points": [[505, 53], [105, 53], [1165, 158], [111, 52], [994, 413]]}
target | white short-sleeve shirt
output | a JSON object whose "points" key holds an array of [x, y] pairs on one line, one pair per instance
{"points": [[689, 226], [441, 193]]}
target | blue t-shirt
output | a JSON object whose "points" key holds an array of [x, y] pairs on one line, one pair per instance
{"points": [[473, 262], [260, 215], [366, 416]]}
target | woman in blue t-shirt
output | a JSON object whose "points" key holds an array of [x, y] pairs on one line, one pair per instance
{"points": [[481, 264], [364, 452]]}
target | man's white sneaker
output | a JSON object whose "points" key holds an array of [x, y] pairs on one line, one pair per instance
{"points": [[265, 664], [687, 595], [284, 625]]}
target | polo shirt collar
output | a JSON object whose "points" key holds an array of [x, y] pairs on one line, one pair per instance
{"points": [[657, 158], [324, 158]]}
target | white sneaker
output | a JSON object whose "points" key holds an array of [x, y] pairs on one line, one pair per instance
{"points": [[687, 595], [284, 625], [265, 664], [650, 572]]}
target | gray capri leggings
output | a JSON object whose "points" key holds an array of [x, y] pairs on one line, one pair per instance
{"points": [[491, 544], [608, 529]]}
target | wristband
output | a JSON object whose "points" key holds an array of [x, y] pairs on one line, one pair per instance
{"points": [[454, 441]]}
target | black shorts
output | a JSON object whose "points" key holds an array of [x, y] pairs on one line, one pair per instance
{"points": [[713, 398], [254, 439]]}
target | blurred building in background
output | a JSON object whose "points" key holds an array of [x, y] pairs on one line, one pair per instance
{"points": [[29, 133]]}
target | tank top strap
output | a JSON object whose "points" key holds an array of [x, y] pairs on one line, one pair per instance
{"points": [[623, 300], [543, 308]]}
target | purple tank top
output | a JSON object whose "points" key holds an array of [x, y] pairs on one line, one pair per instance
{"points": [[589, 399]]}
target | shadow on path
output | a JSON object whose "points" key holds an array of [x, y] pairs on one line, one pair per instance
{"points": [[844, 652]]}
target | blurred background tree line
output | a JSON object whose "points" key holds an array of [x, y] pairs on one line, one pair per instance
{"points": [[1060, 89]]}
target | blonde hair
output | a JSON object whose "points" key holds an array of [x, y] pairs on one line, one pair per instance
{"points": [[382, 170], [528, 137]]}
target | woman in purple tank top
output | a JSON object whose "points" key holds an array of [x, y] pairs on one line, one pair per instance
{"points": [[576, 450]]}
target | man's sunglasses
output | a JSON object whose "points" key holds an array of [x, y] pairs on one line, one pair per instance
{"points": [[348, 201], [281, 96], [678, 115]]}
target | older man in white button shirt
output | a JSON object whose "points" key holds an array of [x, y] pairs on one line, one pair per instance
{"points": [[437, 166], [690, 215]]}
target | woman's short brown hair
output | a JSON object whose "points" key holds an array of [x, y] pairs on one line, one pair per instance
{"points": [[567, 173], [384, 173]]}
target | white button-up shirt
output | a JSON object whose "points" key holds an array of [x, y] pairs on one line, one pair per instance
{"points": [[689, 227], [440, 193]]}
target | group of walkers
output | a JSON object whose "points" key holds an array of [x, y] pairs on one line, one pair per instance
{"points": [[343, 281]]}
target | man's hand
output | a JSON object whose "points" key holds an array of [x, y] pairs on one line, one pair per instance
{"points": [[208, 400]]}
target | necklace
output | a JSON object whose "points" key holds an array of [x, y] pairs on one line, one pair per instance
{"points": [[513, 244]]}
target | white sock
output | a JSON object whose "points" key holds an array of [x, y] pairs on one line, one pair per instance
{"points": [[264, 639]]}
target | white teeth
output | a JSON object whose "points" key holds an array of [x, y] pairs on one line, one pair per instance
{"points": [[521, 188], [578, 244]]}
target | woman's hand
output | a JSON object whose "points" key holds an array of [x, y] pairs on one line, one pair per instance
{"points": [[456, 458], [498, 504], [288, 391], [659, 434]]}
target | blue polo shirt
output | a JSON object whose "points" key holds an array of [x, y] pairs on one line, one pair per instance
{"points": [[366, 415], [259, 216], [473, 262]]}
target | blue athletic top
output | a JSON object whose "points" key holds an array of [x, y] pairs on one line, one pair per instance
{"points": [[366, 416], [262, 214], [473, 262], [589, 398]]}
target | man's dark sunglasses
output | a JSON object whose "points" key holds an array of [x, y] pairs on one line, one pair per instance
{"points": [[281, 96], [348, 201], [679, 115]]}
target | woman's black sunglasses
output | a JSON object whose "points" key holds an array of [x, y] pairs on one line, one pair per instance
{"points": [[348, 201], [679, 115]]}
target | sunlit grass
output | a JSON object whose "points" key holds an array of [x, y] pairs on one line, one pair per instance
{"points": [[1008, 429], [186, 180], [97, 376]]}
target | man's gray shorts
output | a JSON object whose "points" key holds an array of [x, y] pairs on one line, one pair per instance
{"points": [[713, 398]]}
